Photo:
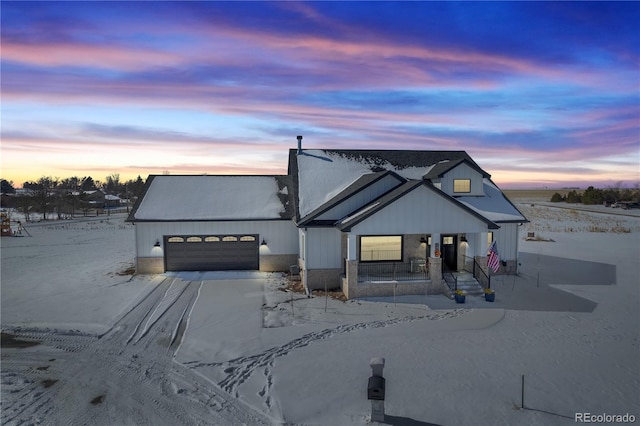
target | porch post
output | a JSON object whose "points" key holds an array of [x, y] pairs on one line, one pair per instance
{"points": [[482, 245], [351, 247], [435, 262], [435, 271], [435, 240], [351, 267]]}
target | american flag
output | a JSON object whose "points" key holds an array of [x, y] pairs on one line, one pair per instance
{"points": [[493, 261]]}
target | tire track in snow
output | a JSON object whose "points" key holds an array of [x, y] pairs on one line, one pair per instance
{"points": [[241, 369], [125, 376]]}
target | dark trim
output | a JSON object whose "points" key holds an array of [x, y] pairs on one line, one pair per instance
{"points": [[317, 224], [341, 196], [376, 159], [439, 172], [410, 187]]}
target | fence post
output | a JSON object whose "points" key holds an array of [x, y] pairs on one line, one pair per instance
{"points": [[522, 394]]}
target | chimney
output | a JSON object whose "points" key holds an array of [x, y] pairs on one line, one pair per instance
{"points": [[299, 144]]}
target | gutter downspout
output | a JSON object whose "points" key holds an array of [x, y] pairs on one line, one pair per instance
{"points": [[304, 260]]}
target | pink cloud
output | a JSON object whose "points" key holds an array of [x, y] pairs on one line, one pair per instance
{"points": [[86, 55]]}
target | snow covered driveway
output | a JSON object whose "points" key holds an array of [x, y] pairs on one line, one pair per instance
{"points": [[126, 376]]}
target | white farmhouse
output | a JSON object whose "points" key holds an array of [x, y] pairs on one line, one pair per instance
{"points": [[369, 222]]}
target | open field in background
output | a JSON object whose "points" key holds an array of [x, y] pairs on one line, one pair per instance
{"points": [[519, 195], [566, 219]]}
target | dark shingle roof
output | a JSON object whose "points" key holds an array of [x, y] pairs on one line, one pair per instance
{"points": [[443, 167], [381, 160]]}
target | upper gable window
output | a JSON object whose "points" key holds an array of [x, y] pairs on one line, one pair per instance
{"points": [[461, 185]]}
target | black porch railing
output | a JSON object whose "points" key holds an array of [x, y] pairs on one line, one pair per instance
{"points": [[450, 279], [392, 271], [471, 265]]}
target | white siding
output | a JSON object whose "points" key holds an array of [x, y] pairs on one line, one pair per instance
{"points": [[477, 244], [323, 248], [302, 246], [421, 211], [462, 171], [360, 199], [281, 235], [507, 240]]}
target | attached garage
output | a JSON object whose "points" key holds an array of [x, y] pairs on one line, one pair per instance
{"points": [[214, 223], [211, 252]]}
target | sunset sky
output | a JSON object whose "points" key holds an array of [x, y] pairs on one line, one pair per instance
{"points": [[538, 93]]}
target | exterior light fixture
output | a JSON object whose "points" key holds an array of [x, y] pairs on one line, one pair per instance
{"points": [[157, 244], [423, 240], [463, 239], [263, 243]]}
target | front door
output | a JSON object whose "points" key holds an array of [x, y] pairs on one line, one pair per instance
{"points": [[450, 252]]}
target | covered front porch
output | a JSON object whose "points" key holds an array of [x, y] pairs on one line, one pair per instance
{"points": [[410, 264]]}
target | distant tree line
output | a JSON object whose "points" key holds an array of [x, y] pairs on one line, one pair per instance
{"points": [[593, 195], [66, 197]]}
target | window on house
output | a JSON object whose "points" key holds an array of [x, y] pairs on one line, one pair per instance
{"points": [[194, 239], [247, 238], [230, 238], [489, 238], [175, 240], [381, 248], [462, 185], [211, 239], [302, 247]]}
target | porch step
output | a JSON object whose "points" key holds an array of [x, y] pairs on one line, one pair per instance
{"points": [[469, 285]]}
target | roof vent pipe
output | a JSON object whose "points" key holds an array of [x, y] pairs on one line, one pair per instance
{"points": [[299, 144]]}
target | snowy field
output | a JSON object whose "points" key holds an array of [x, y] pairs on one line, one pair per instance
{"points": [[234, 348]]}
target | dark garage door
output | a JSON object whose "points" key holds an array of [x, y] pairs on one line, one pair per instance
{"points": [[211, 252]]}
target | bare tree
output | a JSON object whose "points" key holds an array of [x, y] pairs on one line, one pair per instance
{"points": [[23, 205], [44, 195], [112, 185]]}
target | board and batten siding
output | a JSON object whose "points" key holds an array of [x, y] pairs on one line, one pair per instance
{"points": [[506, 239], [420, 211], [360, 199], [281, 235], [323, 249], [462, 171]]}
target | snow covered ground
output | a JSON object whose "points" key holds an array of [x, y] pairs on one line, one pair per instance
{"points": [[233, 348]]}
